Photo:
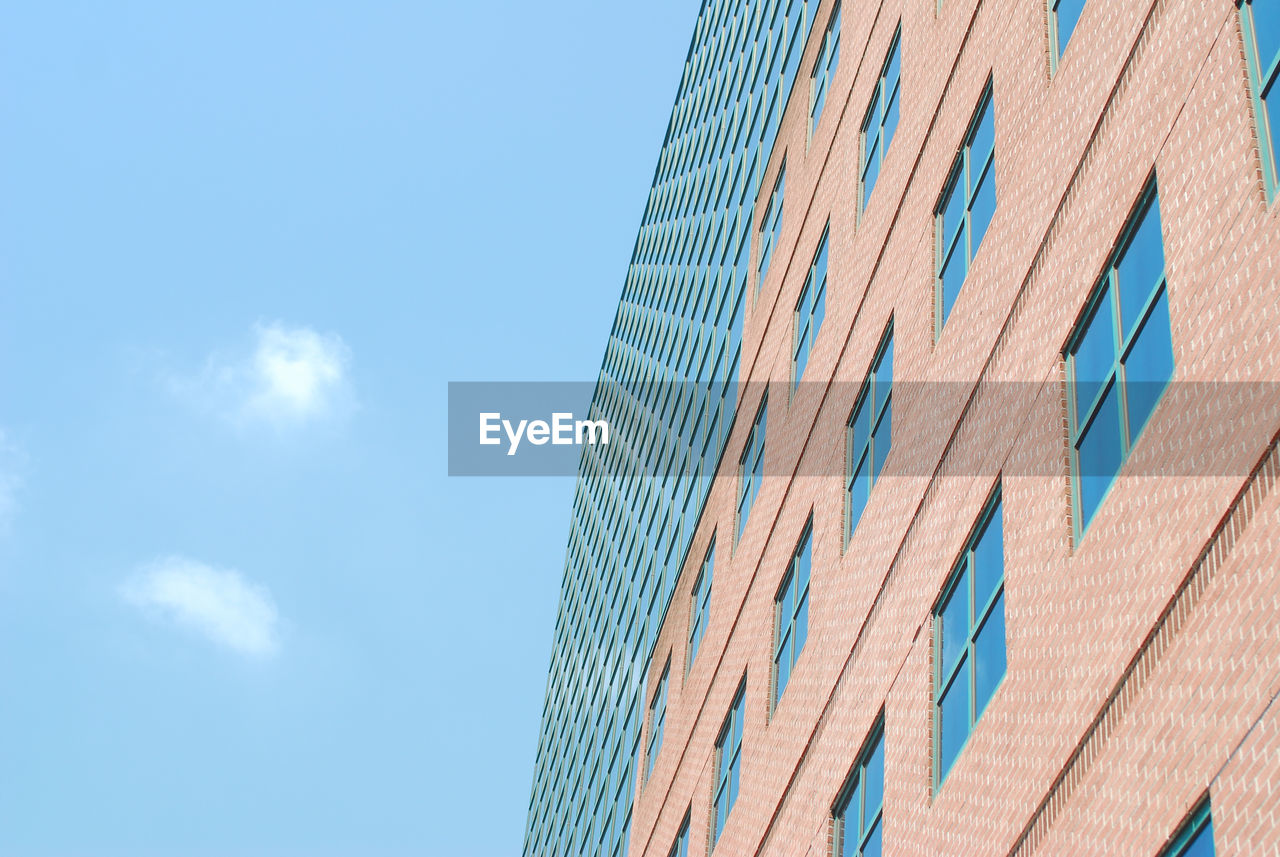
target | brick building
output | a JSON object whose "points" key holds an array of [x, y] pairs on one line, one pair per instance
{"points": [[980, 554]]}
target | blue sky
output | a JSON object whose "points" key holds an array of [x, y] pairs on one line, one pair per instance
{"points": [[243, 249]]}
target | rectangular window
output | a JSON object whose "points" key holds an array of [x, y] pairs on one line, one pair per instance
{"points": [[701, 602], [681, 846], [969, 639], [859, 812], [1195, 838], [869, 433], [1063, 17], [771, 226], [809, 311], [751, 467], [728, 761], [657, 718], [965, 208], [791, 613], [823, 69], [1260, 23], [882, 118], [1119, 360]]}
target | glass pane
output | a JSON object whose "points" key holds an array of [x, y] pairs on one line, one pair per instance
{"points": [[820, 300], [1094, 357], [953, 213], [802, 354], [989, 655], [874, 846], [1148, 366], [873, 776], [819, 96], [891, 118], [870, 176], [872, 128], [802, 565], [1068, 15], [733, 783], [884, 374], [1099, 453], [1201, 845], [858, 492], [984, 136], [802, 626], [1266, 30], [953, 277], [1140, 268], [1272, 101], [849, 830], [893, 73], [861, 425], [954, 621], [984, 205], [884, 431], [784, 671], [953, 717], [988, 559]]}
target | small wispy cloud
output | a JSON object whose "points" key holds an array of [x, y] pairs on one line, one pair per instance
{"points": [[217, 603], [10, 481], [291, 376]]}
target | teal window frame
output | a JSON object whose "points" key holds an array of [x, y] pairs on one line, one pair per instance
{"points": [[824, 68], [1117, 390], [881, 120], [1264, 84], [869, 434], [751, 466], [955, 218], [771, 226], [701, 602], [962, 657], [1064, 15], [728, 764], [791, 612], [861, 835], [1190, 840], [810, 310], [657, 720]]}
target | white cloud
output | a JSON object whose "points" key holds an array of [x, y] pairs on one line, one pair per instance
{"points": [[293, 375], [10, 462], [217, 603]]}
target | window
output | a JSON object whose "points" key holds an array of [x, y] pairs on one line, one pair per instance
{"points": [[965, 209], [882, 118], [771, 225], [1260, 23], [657, 718], [969, 639], [823, 69], [860, 809], [1195, 839], [791, 613], [751, 467], [728, 761], [1119, 360], [810, 310], [869, 433], [1063, 16], [680, 848], [701, 602]]}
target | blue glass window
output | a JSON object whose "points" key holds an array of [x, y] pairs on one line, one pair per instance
{"points": [[824, 68], [701, 602], [657, 718], [859, 813], [964, 211], [771, 226], [1260, 22], [882, 117], [728, 763], [869, 433], [810, 310], [1063, 17], [969, 639], [1119, 360], [681, 846], [791, 613], [751, 468], [1195, 839]]}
